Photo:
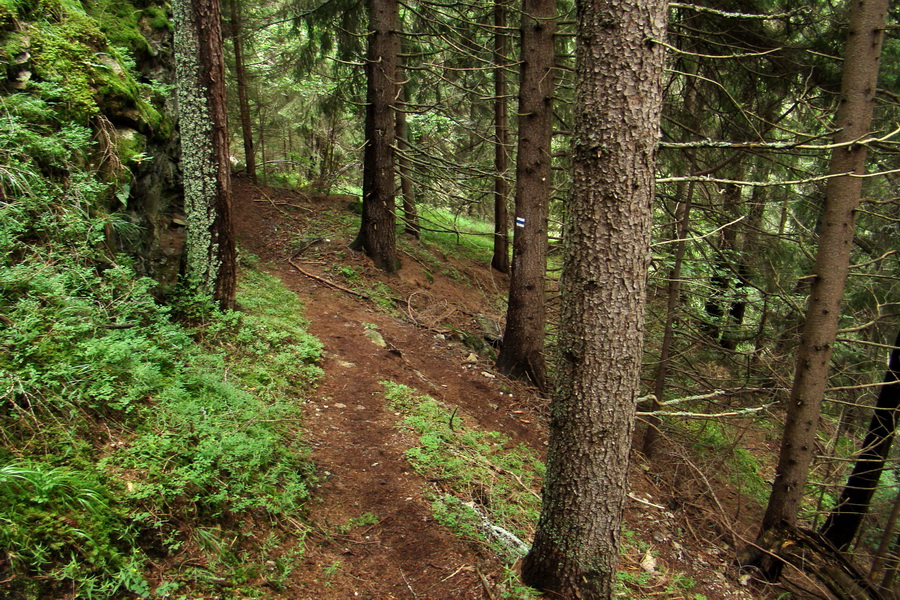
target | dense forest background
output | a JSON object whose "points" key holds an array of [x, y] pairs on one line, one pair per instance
{"points": [[143, 426]]}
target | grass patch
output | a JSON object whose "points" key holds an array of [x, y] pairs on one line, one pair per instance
{"points": [[487, 485], [715, 438], [126, 432]]}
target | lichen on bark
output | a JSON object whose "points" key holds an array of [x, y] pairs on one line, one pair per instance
{"points": [[199, 67]]}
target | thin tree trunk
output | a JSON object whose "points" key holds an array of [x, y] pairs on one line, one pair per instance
{"points": [[845, 519], [723, 269], [603, 293], [262, 143], [886, 536], [522, 352], [500, 259], [210, 262], [376, 231], [410, 215], [243, 98], [893, 563], [842, 195], [651, 435]]}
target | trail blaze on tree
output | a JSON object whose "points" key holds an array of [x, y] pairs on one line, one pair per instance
{"points": [[618, 100], [200, 68], [522, 353]]}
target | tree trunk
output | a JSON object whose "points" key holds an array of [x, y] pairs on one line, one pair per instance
{"points": [[376, 231], [886, 536], [210, 262], [522, 351], [500, 260], [651, 435], [813, 555], [410, 216], [844, 520], [717, 325], [618, 100], [842, 195], [892, 564], [243, 99], [261, 113]]}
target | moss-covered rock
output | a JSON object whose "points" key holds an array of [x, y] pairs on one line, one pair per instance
{"points": [[104, 65]]}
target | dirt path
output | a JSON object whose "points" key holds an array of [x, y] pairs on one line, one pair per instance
{"points": [[357, 444]]}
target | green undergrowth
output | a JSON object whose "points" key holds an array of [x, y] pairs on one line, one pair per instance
{"points": [[459, 234], [133, 430], [485, 484], [721, 440], [126, 445]]}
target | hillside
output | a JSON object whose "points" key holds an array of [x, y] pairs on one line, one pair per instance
{"points": [[374, 532]]}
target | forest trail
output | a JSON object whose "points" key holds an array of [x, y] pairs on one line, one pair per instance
{"points": [[373, 534], [358, 444]]}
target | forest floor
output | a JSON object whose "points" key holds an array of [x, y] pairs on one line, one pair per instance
{"points": [[372, 529]]}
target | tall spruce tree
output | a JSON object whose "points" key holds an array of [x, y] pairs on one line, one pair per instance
{"points": [[522, 352], [843, 191], [618, 101], [376, 231]]}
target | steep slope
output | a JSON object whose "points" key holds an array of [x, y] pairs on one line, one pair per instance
{"points": [[374, 531]]}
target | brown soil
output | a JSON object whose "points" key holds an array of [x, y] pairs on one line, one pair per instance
{"points": [[358, 444]]}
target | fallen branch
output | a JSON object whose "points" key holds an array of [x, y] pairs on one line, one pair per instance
{"points": [[327, 282], [637, 498]]}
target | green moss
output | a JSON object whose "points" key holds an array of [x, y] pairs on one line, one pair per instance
{"points": [[157, 18], [130, 146], [9, 12], [11, 46], [86, 64]]}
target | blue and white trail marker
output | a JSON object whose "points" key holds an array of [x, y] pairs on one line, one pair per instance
{"points": [[520, 221]]}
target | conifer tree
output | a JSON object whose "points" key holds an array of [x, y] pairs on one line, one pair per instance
{"points": [[210, 256], [618, 101]]}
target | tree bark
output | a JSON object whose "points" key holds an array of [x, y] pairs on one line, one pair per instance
{"points": [[376, 232], [842, 195], [886, 536], [210, 262], [410, 214], [810, 553], [500, 259], [261, 113], [842, 524], [618, 100], [243, 98], [651, 435], [522, 351]]}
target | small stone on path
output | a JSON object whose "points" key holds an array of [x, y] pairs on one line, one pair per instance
{"points": [[376, 338]]}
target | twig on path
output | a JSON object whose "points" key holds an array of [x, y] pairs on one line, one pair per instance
{"points": [[275, 205], [456, 572], [415, 595], [637, 498], [484, 583], [327, 282], [306, 247]]}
